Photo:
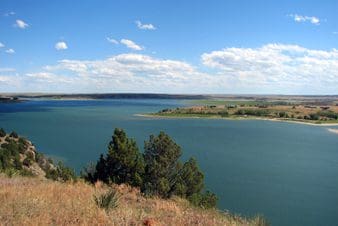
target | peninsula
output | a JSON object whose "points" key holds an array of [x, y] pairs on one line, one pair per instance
{"points": [[305, 109]]}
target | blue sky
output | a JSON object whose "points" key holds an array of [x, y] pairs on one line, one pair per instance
{"points": [[281, 47]]}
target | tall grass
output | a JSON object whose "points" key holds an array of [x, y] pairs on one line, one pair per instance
{"points": [[108, 200], [33, 201]]}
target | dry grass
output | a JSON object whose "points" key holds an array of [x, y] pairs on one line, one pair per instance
{"points": [[32, 201]]}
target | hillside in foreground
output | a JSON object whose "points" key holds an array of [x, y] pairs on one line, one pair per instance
{"points": [[36, 201], [35, 191]]}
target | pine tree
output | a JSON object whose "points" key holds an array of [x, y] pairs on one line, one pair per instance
{"points": [[192, 177], [161, 157], [123, 163]]}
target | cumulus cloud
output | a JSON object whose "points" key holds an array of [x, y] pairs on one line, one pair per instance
{"points": [[10, 82], [300, 18], [2, 45], [113, 41], [132, 73], [47, 77], [10, 51], [61, 46], [278, 65], [131, 45], [21, 24], [271, 68], [144, 26]]}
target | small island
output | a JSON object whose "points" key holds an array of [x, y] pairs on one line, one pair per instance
{"points": [[323, 112]]}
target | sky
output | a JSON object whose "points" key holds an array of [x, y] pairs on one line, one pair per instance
{"points": [[192, 47]]}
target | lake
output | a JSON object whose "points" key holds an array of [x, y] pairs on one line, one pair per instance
{"points": [[285, 171]]}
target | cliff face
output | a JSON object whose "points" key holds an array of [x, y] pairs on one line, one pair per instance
{"points": [[19, 156]]}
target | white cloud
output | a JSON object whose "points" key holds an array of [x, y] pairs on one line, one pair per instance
{"points": [[131, 73], [10, 51], [10, 83], [111, 40], [144, 26], [61, 46], [271, 68], [300, 18], [2, 45], [21, 24], [7, 69], [9, 13], [131, 45], [278, 66], [47, 77]]}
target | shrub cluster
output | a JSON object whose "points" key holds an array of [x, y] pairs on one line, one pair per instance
{"points": [[11, 164], [157, 171], [10, 156], [253, 112], [61, 173]]}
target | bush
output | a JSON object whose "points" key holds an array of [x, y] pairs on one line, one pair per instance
{"points": [[2, 132], [260, 220], [223, 113], [27, 162], [108, 200], [14, 135], [89, 173], [314, 117], [283, 114], [253, 112], [206, 200], [61, 173], [328, 114]]}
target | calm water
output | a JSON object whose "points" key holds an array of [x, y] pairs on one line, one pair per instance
{"points": [[287, 172]]}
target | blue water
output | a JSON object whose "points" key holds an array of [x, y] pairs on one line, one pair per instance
{"points": [[287, 172]]}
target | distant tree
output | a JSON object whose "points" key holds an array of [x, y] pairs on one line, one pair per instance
{"points": [[314, 116], [282, 114]]}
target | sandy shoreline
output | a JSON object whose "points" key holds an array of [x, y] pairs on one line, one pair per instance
{"points": [[240, 118]]}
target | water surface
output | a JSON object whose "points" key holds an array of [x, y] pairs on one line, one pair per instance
{"points": [[287, 172]]}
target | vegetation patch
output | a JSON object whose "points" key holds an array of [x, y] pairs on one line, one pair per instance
{"points": [[108, 200], [281, 110]]}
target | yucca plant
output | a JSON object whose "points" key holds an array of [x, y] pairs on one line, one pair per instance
{"points": [[108, 200]]}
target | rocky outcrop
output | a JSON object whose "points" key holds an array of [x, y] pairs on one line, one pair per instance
{"points": [[24, 154]]}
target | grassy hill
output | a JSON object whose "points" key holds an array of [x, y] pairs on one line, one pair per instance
{"points": [[36, 201]]}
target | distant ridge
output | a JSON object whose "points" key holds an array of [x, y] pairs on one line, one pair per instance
{"points": [[114, 96]]}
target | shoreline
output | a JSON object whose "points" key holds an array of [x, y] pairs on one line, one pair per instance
{"points": [[239, 118]]}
